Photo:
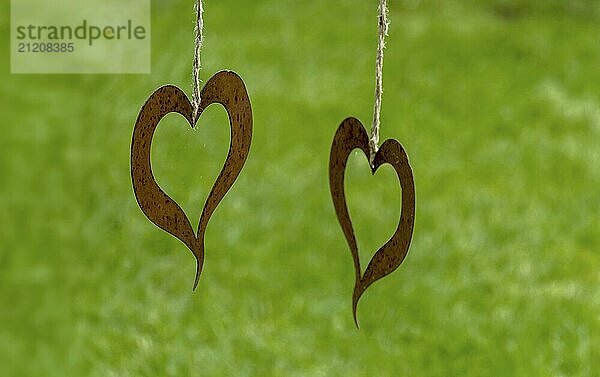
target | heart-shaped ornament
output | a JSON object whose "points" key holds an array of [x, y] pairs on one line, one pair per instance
{"points": [[226, 88], [349, 136]]}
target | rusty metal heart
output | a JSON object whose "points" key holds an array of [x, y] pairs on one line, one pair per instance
{"points": [[225, 88], [349, 136]]}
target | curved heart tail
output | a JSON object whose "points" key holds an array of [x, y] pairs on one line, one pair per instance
{"points": [[199, 255], [354, 306], [358, 291], [198, 269]]}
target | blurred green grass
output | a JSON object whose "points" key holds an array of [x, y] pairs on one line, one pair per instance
{"points": [[498, 106]]}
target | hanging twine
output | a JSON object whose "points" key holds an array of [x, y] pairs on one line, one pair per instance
{"points": [[382, 27], [199, 39]]}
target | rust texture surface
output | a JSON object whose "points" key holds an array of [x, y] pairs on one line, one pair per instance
{"points": [[351, 135], [225, 88]]}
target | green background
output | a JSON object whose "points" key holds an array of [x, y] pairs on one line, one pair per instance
{"points": [[497, 103]]}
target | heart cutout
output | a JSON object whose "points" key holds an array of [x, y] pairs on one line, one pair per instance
{"points": [[225, 88], [373, 202], [351, 135]]}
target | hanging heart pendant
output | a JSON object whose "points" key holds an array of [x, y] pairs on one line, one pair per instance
{"points": [[349, 136], [226, 88]]}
